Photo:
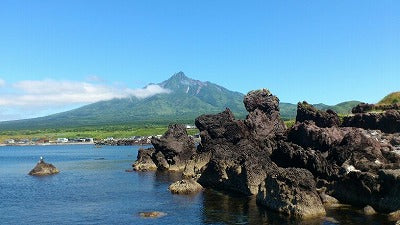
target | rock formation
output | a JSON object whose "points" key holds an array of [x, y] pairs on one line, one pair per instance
{"points": [[292, 192], [318, 162], [185, 187], [306, 112], [388, 121], [43, 169], [144, 160], [171, 152]]}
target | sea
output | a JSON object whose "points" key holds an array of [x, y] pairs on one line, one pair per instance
{"points": [[94, 187]]}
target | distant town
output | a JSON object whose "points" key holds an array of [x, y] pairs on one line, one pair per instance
{"points": [[134, 140]]}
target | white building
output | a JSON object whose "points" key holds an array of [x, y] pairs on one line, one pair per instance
{"points": [[62, 140]]}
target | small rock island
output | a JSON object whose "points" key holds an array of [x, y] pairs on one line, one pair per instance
{"points": [[43, 169]]}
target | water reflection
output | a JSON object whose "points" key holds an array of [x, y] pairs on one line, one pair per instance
{"points": [[221, 208]]}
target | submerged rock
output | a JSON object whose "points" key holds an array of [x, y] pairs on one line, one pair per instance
{"points": [[185, 187], [369, 211], [153, 214], [43, 169], [292, 192]]}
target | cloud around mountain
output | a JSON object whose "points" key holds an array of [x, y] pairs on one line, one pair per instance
{"points": [[30, 97]]}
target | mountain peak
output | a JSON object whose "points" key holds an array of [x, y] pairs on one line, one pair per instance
{"points": [[180, 76]]}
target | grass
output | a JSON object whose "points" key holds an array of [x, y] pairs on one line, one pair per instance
{"points": [[390, 99], [86, 132]]}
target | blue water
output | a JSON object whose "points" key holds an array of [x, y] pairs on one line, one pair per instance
{"points": [[93, 188]]}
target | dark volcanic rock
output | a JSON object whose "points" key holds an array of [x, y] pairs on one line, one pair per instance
{"points": [[388, 122], [173, 149], [364, 107], [240, 149], [292, 155], [144, 160], [171, 152], [306, 112], [381, 191], [308, 135], [389, 190], [363, 152], [264, 119], [43, 169], [292, 192]]}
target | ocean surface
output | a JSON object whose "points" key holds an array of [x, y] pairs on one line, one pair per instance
{"points": [[93, 188]]}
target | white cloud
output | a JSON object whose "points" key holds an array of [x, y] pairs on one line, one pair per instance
{"points": [[42, 93], [2, 83]]}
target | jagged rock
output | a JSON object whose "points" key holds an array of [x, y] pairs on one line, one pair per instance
{"points": [[144, 160], [388, 121], [185, 187], [264, 119], [306, 112], [369, 211], [389, 181], [292, 155], [356, 188], [363, 152], [394, 216], [195, 166], [292, 192], [43, 169], [309, 135], [175, 146]]}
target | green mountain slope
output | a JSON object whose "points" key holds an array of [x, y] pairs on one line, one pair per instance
{"points": [[390, 99], [187, 100]]}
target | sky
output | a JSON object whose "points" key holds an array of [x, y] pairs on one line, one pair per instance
{"points": [[59, 55]]}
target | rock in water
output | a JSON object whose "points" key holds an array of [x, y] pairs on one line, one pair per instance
{"points": [[369, 211], [154, 214], [144, 161], [292, 192], [43, 169], [185, 187], [173, 149]]}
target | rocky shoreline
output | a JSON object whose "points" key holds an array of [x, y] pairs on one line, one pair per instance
{"points": [[319, 162]]}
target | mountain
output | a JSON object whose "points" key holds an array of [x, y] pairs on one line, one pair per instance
{"points": [[188, 98], [390, 99]]}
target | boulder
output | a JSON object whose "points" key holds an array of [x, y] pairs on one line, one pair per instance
{"points": [[144, 160], [196, 165], [359, 149], [175, 146], [263, 120], [291, 192], [394, 216], [388, 121], [369, 211], [185, 187], [389, 196], [237, 161], [43, 169], [291, 155], [153, 214], [308, 135], [327, 118]]}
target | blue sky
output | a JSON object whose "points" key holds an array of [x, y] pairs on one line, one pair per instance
{"points": [[319, 51]]}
